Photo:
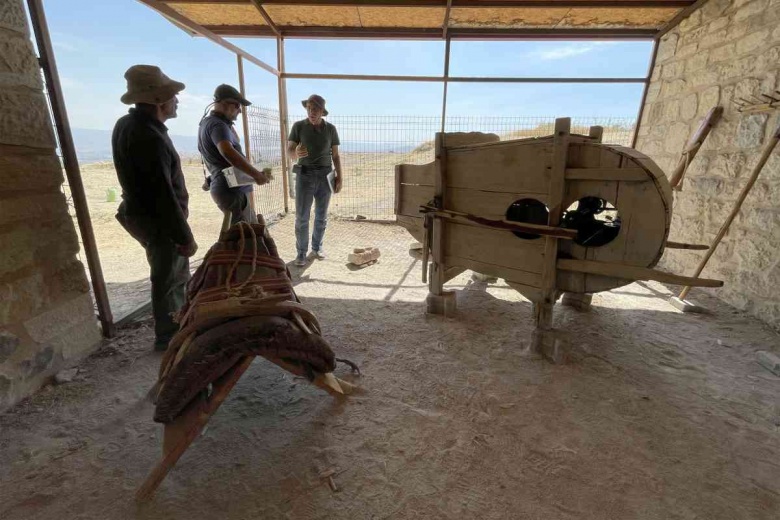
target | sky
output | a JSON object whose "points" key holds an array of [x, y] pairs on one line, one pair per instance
{"points": [[95, 43]]}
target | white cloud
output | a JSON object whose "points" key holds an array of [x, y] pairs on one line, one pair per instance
{"points": [[568, 51], [193, 101]]}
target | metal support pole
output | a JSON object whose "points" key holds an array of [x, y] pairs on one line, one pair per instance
{"points": [[446, 76], [644, 93], [281, 87], [72, 171], [245, 123]]}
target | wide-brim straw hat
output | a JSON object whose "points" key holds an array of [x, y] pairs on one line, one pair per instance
{"points": [[148, 84], [317, 100]]}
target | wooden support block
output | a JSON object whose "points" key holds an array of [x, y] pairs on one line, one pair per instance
{"points": [[444, 304], [580, 301]]}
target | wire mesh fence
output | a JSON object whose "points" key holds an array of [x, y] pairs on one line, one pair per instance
{"points": [[371, 147], [265, 146]]}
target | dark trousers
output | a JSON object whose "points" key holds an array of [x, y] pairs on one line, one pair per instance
{"points": [[170, 273], [234, 200]]}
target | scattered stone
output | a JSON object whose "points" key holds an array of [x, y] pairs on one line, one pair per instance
{"points": [[686, 306], [65, 376], [362, 256], [479, 277], [769, 361], [360, 217]]}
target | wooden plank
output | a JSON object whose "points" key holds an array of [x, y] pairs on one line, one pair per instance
{"points": [[412, 197], [508, 166], [500, 271], [495, 247], [488, 204], [506, 225], [630, 272], [683, 245], [181, 432], [418, 174], [557, 187], [436, 285], [414, 225], [607, 174]]}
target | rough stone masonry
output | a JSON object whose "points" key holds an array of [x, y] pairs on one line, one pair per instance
{"points": [[47, 319], [726, 50]]}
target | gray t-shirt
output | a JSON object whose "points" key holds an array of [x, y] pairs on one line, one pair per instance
{"points": [[213, 129], [318, 142]]}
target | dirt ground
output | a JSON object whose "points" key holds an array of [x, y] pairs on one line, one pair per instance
{"points": [[658, 414]]}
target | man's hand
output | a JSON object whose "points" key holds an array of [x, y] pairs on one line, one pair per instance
{"points": [[337, 183], [301, 151], [268, 173], [187, 250], [262, 177]]}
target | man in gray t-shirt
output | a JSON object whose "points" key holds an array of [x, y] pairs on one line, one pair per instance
{"points": [[220, 148], [314, 144]]}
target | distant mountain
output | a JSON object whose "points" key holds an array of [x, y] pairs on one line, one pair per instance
{"points": [[95, 145]]}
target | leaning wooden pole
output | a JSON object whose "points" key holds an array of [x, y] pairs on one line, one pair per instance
{"points": [[281, 86], [72, 171], [768, 149]]}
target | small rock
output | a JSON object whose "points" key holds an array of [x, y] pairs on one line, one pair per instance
{"points": [[65, 376], [769, 361]]}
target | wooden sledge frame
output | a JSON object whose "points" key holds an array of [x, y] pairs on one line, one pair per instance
{"points": [[182, 431]]}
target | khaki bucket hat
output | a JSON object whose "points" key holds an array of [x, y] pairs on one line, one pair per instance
{"points": [[148, 84], [317, 100]]}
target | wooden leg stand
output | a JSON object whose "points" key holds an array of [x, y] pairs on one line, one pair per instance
{"points": [[180, 433]]}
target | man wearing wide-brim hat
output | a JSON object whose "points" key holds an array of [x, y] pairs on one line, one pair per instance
{"points": [[220, 148], [314, 144], [154, 196]]}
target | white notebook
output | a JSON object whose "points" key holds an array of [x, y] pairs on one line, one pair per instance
{"points": [[236, 177]]}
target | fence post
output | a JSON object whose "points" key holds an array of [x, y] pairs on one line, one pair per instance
{"points": [[281, 87]]}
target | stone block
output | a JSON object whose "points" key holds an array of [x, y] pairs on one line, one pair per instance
{"points": [[723, 53], [708, 99], [18, 65], [714, 8], [652, 92], [686, 51], [21, 298], [673, 70], [693, 36], [25, 120], [21, 164], [667, 47], [671, 111], [17, 246], [67, 280], [776, 35], [689, 107], [8, 345], [750, 132], [749, 9], [693, 20], [718, 23], [12, 16], [57, 244], [728, 165], [676, 138], [444, 304], [712, 39], [48, 325], [35, 207], [580, 302], [733, 69], [707, 186], [738, 30], [698, 62], [79, 340], [674, 88], [753, 42]]}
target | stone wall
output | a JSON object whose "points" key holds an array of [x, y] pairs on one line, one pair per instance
{"points": [[725, 50], [47, 319]]}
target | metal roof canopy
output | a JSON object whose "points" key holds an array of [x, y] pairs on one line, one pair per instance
{"points": [[444, 20]]}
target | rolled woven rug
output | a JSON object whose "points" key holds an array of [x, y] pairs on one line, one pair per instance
{"points": [[239, 302]]}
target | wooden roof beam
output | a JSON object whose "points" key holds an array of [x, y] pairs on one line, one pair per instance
{"points": [[455, 3], [455, 33], [259, 6], [182, 20]]}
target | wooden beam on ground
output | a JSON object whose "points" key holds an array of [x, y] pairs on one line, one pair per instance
{"points": [[72, 171], [172, 14], [630, 272]]}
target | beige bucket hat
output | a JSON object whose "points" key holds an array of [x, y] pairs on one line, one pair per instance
{"points": [[148, 84]]}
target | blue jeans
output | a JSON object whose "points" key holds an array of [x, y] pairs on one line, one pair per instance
{"points": [[311, 186]]}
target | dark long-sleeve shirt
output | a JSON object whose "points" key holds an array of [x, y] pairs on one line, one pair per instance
{"points": [[154, 195]]}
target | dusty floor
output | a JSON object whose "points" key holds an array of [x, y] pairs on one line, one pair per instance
{"points": [[659, 415]]}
